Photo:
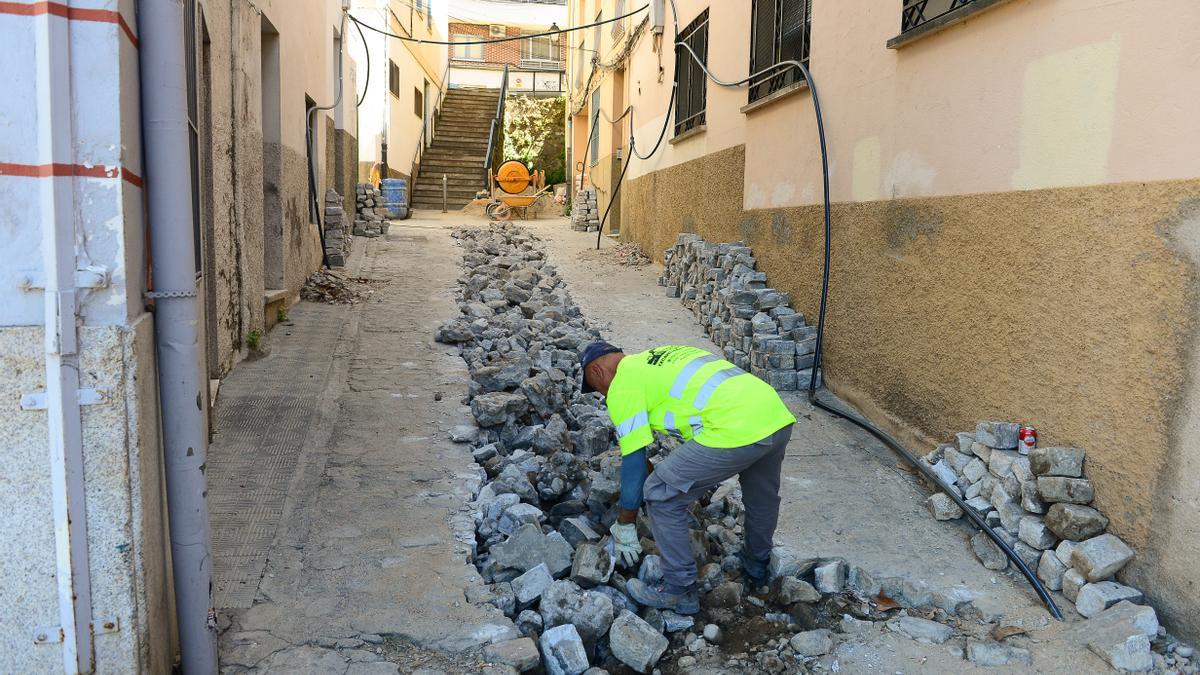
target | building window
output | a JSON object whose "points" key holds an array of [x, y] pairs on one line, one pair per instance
{"points": [[467, 52], [579, 61], [542, 49], [420, 6], [394, 78], [594, 151], [780, 31], [596, 34], [691, 94], [418, 103], [618, 27]]}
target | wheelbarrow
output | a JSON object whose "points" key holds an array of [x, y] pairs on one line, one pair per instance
{"points": [[507, 184]]}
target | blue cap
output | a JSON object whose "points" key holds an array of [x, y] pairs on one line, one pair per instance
{"points": [[591, 352]]}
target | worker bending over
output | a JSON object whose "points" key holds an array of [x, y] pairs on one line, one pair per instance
{"points": [[734, 424]]}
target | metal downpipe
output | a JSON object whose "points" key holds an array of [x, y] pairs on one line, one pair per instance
{"points": [[177, 324]]}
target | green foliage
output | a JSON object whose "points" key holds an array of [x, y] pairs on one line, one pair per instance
{"points": [[535, 133], [254, 340], [281, 314]]}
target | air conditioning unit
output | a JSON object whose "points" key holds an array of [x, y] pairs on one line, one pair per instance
{"points": [[496, 30]]}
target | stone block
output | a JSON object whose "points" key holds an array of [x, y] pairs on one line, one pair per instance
{"points": [[1072, 583], [1096, 597], [1101, 557], [942, 507], [1050, 570], [636, 643], [592, 566], [974, 469], [790, 590], [1055, 489], [830, 576], [1031, 501], [1001, 435], [981, 451], [964, 440], [1001, 461], [945, 473], [1028, 554], [786, 562], [1010, 517], [956, 459], [521, 653], [577, 530], [1064, 550], [563, 652], [591, 613], [812, 643], [1033, 531], [979, 504], [1075, 521], [529, 586], [988, 552], [1052, 461]]}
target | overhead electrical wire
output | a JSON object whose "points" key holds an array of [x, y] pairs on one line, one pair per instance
{"points": [[367, 58], [511, 38]]}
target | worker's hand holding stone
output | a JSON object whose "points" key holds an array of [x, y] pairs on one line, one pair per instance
{"points": [[626, 543]]}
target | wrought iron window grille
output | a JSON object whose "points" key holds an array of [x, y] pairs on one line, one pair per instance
{"points": [[780, 30], [917, 13], [691, 96]]}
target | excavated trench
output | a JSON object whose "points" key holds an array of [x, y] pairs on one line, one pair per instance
{"points": [[542, 515]]}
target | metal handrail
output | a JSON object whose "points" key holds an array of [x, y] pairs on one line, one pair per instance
{"points": [[419, 153], [494, 130]]}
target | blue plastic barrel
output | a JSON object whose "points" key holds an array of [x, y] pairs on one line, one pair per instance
{"points": [[395, 197]]}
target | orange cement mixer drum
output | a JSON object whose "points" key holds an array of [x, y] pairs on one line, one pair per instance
{"points": [[513, 176]]}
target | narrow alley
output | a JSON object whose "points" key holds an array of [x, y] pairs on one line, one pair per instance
{"points": [[342, 510]]}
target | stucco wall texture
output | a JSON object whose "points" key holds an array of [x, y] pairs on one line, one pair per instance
{"points": [[1071, 309], [127, 541]]}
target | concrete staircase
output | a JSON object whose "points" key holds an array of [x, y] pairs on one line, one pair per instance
{"points": [[458, 150]]}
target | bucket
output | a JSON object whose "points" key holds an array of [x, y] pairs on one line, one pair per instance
{"points": [[395, 197]]}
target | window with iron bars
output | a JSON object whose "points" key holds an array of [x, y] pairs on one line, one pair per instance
{"points": [[780, 30], [920, 12], [692, 91], [594, 143]]}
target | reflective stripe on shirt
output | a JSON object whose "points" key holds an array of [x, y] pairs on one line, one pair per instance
{"points": [[710, 385], [632, 424], [688, 371], [697, 424]]}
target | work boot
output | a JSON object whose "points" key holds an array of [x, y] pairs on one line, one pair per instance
{"points": [[755, 571], [664, 596]]}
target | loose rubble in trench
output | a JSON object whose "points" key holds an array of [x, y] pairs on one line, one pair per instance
{"points": [[542, 515]]}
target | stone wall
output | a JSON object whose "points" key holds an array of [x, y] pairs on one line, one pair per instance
{"points": [[1072, 309]]}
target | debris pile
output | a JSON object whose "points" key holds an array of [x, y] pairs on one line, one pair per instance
{"points": [[337, 244], [542, 515], [631, 254], [1040, 505], [754, 325], [372, 214], [334, 288], [585, 211]]}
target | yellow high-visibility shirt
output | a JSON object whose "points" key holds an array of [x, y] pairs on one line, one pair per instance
{"points": [[691, 394]]}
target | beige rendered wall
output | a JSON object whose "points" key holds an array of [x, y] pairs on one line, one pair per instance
{"points": [[1016, 234]]}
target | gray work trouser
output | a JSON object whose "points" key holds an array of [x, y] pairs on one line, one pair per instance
{"points": [[691, 470]]}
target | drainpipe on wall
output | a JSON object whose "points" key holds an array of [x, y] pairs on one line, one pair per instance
{"points": [[177, 323], [62, 396]]}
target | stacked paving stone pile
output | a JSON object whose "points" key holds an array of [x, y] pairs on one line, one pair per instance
{"points": [[542, 514], [372, 214], [337, 244], [585, 211], [754, 325], [1039, 505]]}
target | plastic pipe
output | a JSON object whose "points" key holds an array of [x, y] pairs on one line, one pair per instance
{"points": [[177, 322]]}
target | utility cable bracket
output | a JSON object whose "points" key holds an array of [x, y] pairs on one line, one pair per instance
{"points": [[36, 400], [85, 277]]}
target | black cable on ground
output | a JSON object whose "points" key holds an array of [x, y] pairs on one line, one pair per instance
{"points": [[887, 440], [315, 203]]}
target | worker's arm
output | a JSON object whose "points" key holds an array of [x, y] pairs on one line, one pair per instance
{"points": [[635, 467]]}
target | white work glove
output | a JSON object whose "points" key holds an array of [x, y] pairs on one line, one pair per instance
{"points": [[626, 543]]}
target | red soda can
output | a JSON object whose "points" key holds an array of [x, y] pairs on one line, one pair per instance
{"points": [[1027, 440]]}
